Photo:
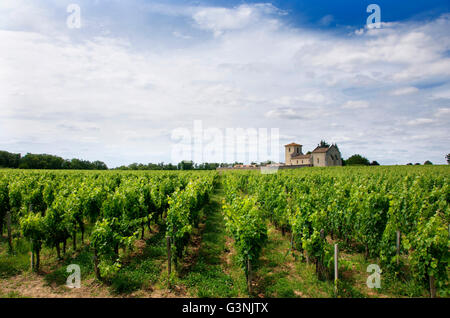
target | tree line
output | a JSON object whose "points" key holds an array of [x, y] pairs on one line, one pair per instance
{"points": [[183, 165], [358, 160], [45, 161]]}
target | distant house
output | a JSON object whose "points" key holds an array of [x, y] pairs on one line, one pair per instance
{"points": [[322, 156], [244, 166]]}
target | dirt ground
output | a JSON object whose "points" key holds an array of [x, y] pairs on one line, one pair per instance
{"points": [[33, 285]]}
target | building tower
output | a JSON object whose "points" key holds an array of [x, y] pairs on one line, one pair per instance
{"points": [[290, 150]]}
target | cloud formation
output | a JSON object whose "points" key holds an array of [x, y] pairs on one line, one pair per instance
{"points": [[116, 96], [356, 104]]}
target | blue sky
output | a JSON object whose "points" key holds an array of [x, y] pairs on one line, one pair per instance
{"points": [[117, 88], [348, 12]]}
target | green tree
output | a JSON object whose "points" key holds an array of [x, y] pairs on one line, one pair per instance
{"points": [[186, 165], [323, 144], [99, 165], [357, 160], [9, 160], [428, 162]]}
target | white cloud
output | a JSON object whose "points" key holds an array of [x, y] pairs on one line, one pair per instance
{"points": [[306, 98], [114, 99], [441, 93], [284, 113], [219, 20], [420, 121], [181, 35], [26, 16], [441, 112], [355, 104], [404, 91]]}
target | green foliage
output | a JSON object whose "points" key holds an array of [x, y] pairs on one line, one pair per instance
{"points": [[357, 207], [9, 160], [11, 265], [186, 165], [362, 208], [371, 219], [357, 160], [429, 255], [4, 202], [184, 212], [33, 228], [105, 239], [244, 220], [323, 144], [126, 282]]}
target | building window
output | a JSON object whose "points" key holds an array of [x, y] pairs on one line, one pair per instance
{"points": [[317, 160]]}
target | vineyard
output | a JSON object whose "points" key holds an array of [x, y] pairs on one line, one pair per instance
{"points": [[232, 234]]}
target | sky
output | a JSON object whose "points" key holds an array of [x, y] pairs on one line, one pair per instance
{"points": [[118, 87]]}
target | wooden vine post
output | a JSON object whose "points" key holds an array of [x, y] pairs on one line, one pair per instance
{"points": [[169, 260], [37, 260], [398, 247], [432, 287], [292, 244], [32, 256], [30, 208], [249, 276], [8, 225], [291, 248], [336, 266], [319, 260], [96, 269]]}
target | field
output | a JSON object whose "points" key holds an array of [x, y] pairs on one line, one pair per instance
{"points": [[228, 234]]}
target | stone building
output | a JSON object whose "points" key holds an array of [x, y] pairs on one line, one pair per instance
{"points": [[322, 156]]}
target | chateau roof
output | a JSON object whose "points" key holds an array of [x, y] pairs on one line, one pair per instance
{"points": [[301, 157], [292, 144], [322, 149]]}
